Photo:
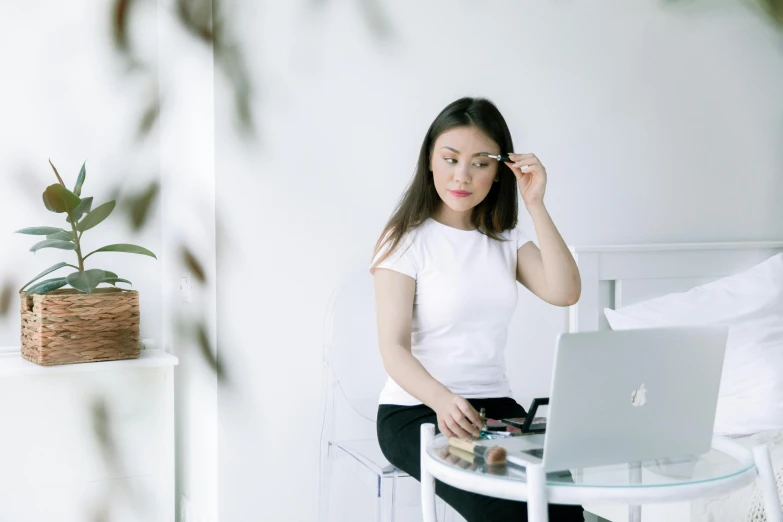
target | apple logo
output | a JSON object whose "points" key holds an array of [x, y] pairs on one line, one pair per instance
{"points": [[639, 397]]}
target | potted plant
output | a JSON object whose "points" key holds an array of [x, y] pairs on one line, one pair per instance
{"points": [[84, 322]]}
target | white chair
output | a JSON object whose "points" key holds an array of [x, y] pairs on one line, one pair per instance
{"points": [[353, 378]]}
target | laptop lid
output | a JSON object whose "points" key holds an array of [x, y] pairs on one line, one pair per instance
{"points": [[632, 395]]}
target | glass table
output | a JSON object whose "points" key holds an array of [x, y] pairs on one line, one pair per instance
{"points": [[726, 467]]}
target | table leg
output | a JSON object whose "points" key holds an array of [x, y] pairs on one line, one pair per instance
{"points": [[767, 484], [427, 480], [635, 477], [537, 508]]}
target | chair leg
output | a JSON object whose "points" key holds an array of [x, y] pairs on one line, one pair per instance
{"points": [[448, 513], [379, 499], [394, 496], [427, 480], [326, 482], [769, 488]]}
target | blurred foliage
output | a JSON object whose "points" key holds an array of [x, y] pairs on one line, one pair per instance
{"points": [[205, 347], [193, 265], [6, 294], [773, 9], [138, 207], [205, 21], [150, 115]]}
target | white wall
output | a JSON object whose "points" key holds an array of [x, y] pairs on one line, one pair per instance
{"points": [[64, 96], [655, 123], [188, 220]]}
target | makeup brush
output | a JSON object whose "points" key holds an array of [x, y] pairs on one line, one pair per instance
{"points": [[499, 157], [471, 462], [490, 454]]}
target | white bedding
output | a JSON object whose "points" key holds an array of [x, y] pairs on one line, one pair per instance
{"points": [[744, 505], [751, 394]]}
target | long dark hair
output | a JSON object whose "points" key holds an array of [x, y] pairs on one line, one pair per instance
{"points": [[496, 213]]}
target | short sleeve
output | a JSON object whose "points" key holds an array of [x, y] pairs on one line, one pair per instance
{"points": [[522, 237], [403, 259]]}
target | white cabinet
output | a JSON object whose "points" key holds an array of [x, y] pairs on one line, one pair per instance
{"points": [[84, 442]]}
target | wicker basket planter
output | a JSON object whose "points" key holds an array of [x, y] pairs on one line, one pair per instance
{"points": [[67, 326]]}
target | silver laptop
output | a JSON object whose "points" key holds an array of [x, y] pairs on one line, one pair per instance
{"points": [[628, 396]]}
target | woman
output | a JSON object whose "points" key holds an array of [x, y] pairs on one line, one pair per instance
{"points": [[445, 269]]}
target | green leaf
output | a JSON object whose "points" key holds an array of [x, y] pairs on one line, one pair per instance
{"points": [[81, 210], [56, 173], [96, 216], [47, 286], [62, 235], [39, 231], [110, 275], [129, 249], [59, 199], [53, 243], [86, 281], [115, 280], [80, 180], [47, 271]]}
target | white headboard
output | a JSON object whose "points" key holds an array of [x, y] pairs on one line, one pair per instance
{"points": [[619, 275]]}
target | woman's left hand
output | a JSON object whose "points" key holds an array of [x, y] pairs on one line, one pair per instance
{"points": [[531, 177]]}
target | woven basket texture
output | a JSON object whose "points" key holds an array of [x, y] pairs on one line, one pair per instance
{"points": [[67, 326]]}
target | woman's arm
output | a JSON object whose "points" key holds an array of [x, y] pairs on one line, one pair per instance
{"points": [[550, 273], [394, 308]]}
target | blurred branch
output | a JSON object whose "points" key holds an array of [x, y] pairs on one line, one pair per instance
{"points": [[773, 9], [120, 24], [204, 20], [196, 17], [230, 59]]}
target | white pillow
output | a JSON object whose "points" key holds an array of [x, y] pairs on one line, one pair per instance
{"points": [[751, 304]]}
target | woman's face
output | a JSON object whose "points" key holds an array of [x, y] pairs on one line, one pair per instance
{"points": [[462, 176]]}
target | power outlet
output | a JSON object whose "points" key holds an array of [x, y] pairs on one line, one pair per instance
{"points": [[186, 289]]}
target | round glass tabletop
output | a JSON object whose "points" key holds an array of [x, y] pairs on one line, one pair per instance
{"points": [[711, 466]]}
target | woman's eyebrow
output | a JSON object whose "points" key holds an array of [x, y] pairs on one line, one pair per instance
{"points": [[457, 152]]}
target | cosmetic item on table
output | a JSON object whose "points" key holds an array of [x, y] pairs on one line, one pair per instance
{"points": [[466, 460], [490, 454], [494, 425], [537, 426], [471, 462], [531, 423]]}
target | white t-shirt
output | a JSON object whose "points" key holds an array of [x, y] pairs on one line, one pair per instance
{"points": [[466, 294]]}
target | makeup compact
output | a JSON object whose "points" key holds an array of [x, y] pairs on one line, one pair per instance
{"points": [[530, 423], [495, 429]]}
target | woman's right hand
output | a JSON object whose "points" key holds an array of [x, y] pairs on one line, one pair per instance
{"points": [[456, 417]]}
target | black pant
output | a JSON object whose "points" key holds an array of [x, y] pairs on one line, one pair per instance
{"points": [[399, 435]]}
